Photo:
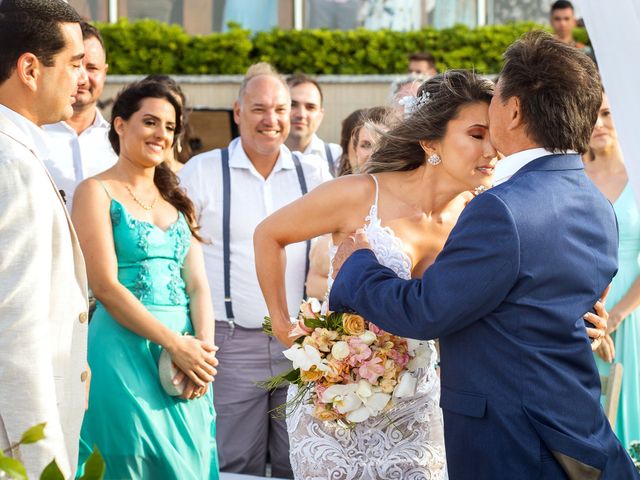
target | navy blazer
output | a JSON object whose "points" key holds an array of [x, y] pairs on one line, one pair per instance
{"points": [[506, 296]]}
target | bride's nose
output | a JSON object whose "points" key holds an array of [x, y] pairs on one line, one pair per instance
{"points": [[489, 151]]}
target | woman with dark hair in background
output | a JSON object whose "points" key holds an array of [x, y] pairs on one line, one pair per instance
{"points": [[346, 134], [356, 150], [363, 131], [139, 237]]}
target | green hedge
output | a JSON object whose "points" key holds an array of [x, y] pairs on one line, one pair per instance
{"points": [[148, 46]]}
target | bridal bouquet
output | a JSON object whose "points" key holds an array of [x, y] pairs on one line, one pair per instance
{"points": [[348, 368]]}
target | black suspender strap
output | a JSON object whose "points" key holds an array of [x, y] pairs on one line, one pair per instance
{"points": [[304, 190], [332, 167], [226, 218]]}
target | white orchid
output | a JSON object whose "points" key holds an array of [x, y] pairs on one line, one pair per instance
{"points": [[358, 400], [373, 402], [406, 386], [343, 397], [305, 357]]}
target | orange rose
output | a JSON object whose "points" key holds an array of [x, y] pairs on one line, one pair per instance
{"points": [[353, 324], [325, 414]]}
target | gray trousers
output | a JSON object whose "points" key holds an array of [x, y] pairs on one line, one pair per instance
{"points": [[247, 434]]}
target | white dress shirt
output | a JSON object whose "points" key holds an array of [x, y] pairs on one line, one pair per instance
{"points": [[508, 166], [30, 130], [74, 157], [317, 147], [253, 198]]}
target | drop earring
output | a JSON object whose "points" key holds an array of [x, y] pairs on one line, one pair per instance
{"points": [[434, 159]]}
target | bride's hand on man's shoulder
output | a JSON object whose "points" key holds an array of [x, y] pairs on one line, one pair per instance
{"points": [[354, 242]]}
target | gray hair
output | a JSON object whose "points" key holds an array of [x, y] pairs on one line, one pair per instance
{"points": [[257, 70], [398, 83]]}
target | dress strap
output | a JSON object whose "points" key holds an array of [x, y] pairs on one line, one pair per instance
{"points": [[106, 190], [375, 180]]}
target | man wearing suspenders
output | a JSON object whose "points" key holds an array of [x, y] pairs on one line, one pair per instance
{"points": [[306, 116], [233, 190]]}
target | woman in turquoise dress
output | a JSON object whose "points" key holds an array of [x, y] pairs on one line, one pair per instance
{"points": [[145, 267], [606, 168]]}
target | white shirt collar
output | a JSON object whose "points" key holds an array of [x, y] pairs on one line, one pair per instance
{"points": [[238, 157], [508, 166], [316, 146], [98, 122], [31, 131]]}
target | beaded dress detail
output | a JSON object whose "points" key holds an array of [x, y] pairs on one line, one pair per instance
{"points": [[405, 443]]}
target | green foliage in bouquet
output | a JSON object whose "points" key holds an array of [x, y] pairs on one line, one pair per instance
{"points": [[331, 321], [634, 451], [148, 46], [93, 470]]}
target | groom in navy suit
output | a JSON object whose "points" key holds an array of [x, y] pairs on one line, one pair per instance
{"points": [[520, 389]]}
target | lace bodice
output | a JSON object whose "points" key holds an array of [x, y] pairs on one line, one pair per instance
{"points": [[405, 443], [386, 246], [150, 259]]}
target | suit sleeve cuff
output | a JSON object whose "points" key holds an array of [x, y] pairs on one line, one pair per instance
{"points": [[345, 282]]}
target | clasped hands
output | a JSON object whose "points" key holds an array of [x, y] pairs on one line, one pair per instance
{"points": [[196, 361], [601, 341]]}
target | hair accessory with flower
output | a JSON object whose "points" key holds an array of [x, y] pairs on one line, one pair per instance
{"points": [[411, 104]]}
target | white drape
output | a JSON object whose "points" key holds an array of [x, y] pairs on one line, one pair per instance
{"points": [[613, 29]]}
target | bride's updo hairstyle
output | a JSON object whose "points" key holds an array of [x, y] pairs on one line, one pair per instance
{"points": [[128, 102], [437, 102]]}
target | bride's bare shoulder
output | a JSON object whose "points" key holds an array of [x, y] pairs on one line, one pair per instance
{"points": [[356, 187]]}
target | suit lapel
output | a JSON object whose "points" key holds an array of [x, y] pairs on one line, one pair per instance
{"points": [[8, 128]]}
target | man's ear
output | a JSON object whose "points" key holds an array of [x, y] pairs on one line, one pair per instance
{"points": [[515, 107], [236, 112], [29, 70]]}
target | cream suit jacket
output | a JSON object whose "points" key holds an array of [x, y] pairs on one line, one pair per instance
{"points": [[43, 310]]}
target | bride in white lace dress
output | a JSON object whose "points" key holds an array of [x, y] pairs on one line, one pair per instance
{"points": [[424, 169], [404, 443]]}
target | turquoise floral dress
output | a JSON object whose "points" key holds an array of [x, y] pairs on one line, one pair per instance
{"points": [[141, 431]]}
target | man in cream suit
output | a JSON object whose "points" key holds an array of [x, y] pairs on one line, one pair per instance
{"points": [[43, 287]]}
